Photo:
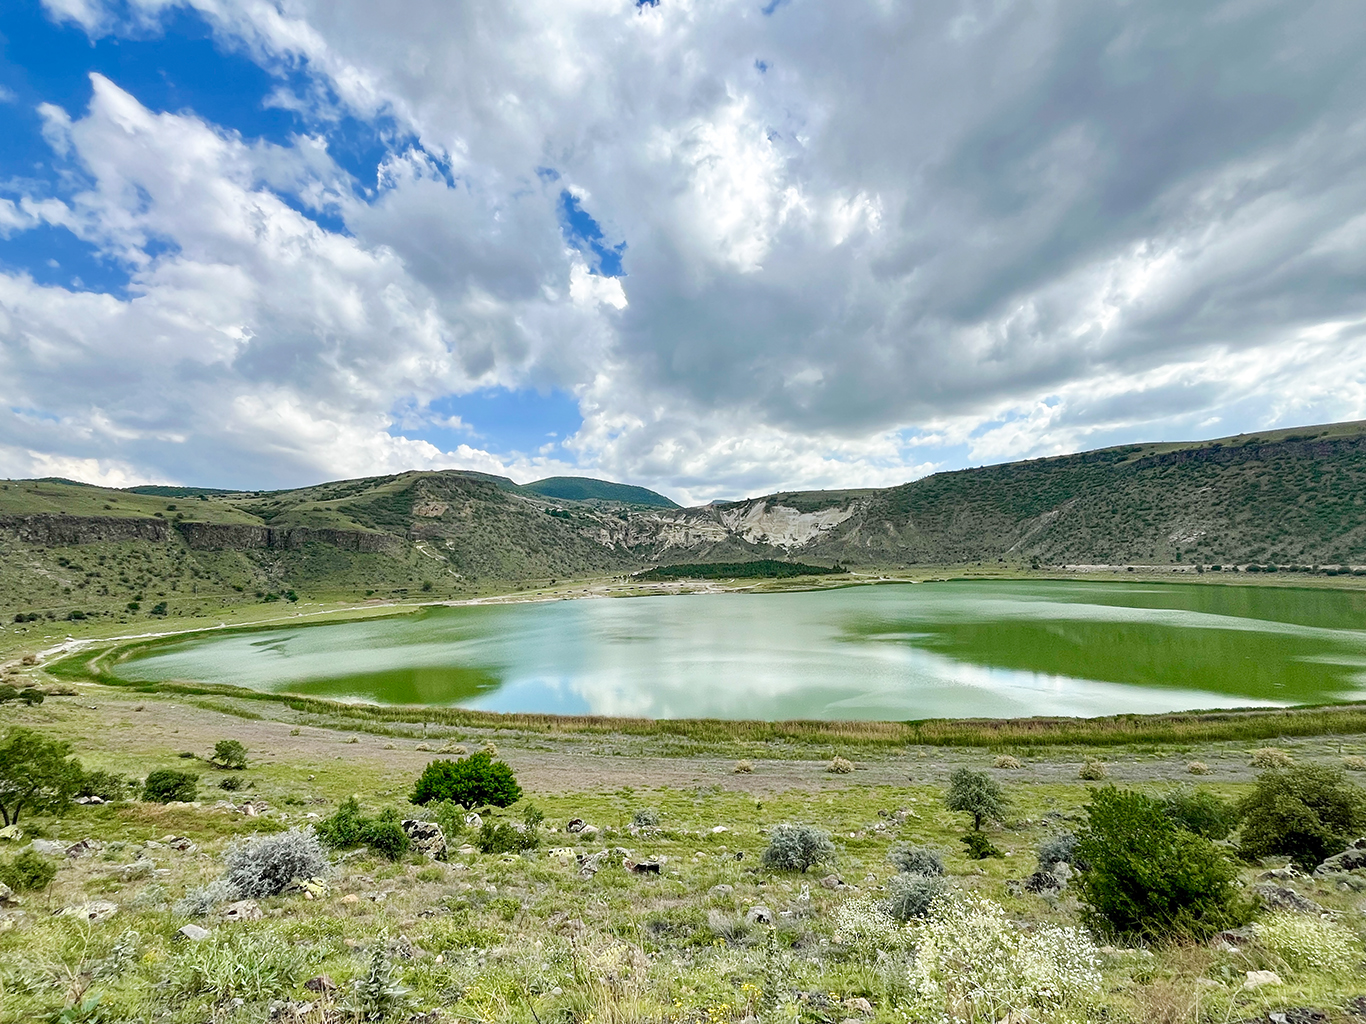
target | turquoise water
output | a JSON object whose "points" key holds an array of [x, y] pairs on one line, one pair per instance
{"points": [[955, 649]]}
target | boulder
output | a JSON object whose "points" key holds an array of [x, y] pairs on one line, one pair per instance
{"points": [[859, 1005], [242, 910], [84, 848], [722, 890], [1348, 860], [192, 933], [1257, 979], [426, 838], [473, 820], [7, 897], [94, 911], [759, 915], [11, 833], [48, 847], [1278, 897], [321, 984], [831, 881]]}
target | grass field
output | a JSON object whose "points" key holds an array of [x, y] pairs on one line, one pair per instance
{"points": [[528, 937]]}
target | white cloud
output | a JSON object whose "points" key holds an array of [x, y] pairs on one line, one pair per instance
{"points": [[993, 232]]}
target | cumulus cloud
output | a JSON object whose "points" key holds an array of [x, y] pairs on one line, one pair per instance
{"points": [[861, 240]]}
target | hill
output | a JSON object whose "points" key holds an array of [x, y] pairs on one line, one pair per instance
{"points": [[1275, 500]]}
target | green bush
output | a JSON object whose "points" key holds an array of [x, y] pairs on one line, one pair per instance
{"points": [[797, 848], [1202, 812], [231, 783], [105, 785], [450, 816], [35, 774], [979, 846], [348, 828], [1307, 812], [166, 784], [910, 895], [1148, 878], [474, 781], [975, 793], [31, 696], [28, 872], [505, 837], [229, 754], [916, 860]]}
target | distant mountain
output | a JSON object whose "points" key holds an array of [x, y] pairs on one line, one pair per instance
{"points": [[583, 488], [1274, 499]]}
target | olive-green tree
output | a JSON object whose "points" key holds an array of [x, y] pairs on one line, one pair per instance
{"points": [[36, 774]]}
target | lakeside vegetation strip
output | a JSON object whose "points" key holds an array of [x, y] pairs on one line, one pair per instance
{"points": [[762, 569], [1113, 730]]}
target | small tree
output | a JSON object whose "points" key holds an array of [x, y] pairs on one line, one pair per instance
{"points": [[229, 754], [166, 784], [35, 774], [797, 848], [976, 793], [474, 781], [1307, 812], [1148, 878]]}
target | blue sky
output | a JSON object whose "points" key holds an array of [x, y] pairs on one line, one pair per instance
{"points": [[716, 250]]}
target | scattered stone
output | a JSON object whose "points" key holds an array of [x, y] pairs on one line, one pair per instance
{"points": [[95, 911], [563, 854], [312, 888], [831, 881], [722, 889], [474, 820], [180, 843], [718, 829], [322, 983], [85, 800], [466, 849], [48, 847], [588, 830], [1298, 1015], [1278, 874], [1348, 860], [1256, 979], [350, 898], [426, 838], [759, 915], [7, 897], [193, 932], [1233, 939], [11, 833], [1277, 897], [242, 910]]}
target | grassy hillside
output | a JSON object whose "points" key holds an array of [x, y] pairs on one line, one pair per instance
{"points": [[1288, 499]]}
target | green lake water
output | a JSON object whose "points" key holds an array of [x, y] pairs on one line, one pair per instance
{"points": [[955, 649]]}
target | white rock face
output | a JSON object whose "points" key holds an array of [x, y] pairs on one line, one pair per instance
{"points": [[781, 526]]}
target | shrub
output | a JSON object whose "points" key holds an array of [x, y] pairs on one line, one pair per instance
{"points": [[231, 783], [911, 896], [349, 828], [205, 899], [378, 995], [975, 793], [1199, 768], [1062, 846], [1006, 761], [266, 866], [27, 872], [973, 964], [1311, 944], [865, 929], [473, 781], [1146, 877], [105, 785], [35, 774], [32, 696], [229, 754], [1307, 812], [979, 846], [1354, 763], [237, 963], [743, 767], [450, 816], [839, 766], [1093, 771], [505, 837], [1201, 812], [384, 835], [916, 860], [8, 693], [646, 817], [166, 784], [797, 848], [1271, 757]]}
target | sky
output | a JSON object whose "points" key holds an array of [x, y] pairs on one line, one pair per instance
{"points": [[713, 248]]}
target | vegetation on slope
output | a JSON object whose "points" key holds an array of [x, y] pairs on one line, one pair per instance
{"points": [[767, 569]]}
